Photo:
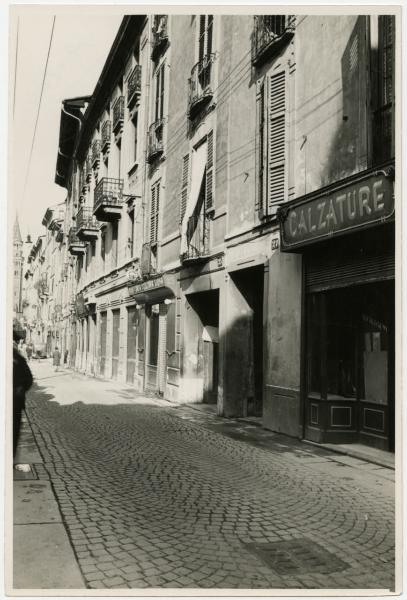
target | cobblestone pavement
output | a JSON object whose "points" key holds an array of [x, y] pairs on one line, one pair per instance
{"points": [[158, 496]]}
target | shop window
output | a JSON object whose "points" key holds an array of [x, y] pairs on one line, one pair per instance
{"points": [[341, 344]]}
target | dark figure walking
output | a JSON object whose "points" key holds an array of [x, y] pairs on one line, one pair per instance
{"points": [[22, 381], [56, 358]]}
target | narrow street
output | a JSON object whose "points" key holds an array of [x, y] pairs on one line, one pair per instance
{"points": [[157, 495]]}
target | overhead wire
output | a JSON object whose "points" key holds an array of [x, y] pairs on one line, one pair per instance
{"points": [[38, 111]]}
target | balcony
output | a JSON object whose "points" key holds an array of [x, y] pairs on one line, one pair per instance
{"points": [[160, 36], [118, 115], [88, 168], [200, 85], [96, 153], [155, 145], [108, 199], [134, 86], [59, 236], [106, 134], [75, 246], [87, 227], [197, 239], [270, 33]]}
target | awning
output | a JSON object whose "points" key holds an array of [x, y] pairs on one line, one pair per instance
{"points": [[154, 290], [199, 158]]}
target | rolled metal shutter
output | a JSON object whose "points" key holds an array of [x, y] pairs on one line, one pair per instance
{"points": [[329, 272]]}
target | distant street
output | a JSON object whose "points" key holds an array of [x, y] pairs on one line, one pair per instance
{"points": [[157, 495]]}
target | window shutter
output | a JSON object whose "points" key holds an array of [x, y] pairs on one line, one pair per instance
{"points": [[209, 174], [276, 139], [157, 210], [202, 23], [153, 215], [184, 186]]}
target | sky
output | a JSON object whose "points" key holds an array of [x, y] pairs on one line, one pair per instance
{"points": [[80, 45]]}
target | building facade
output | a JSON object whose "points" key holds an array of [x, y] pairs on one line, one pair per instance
{"points": [[196, 261], [18, 266]]}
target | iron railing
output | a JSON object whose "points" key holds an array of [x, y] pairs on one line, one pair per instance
{"points": [[134, 84], [106, 133], [108, 191], [197, 237], [85, 219], [201, 82], [118, 113], [268, 30], [160, 35], [155, 141], [95, 152]]}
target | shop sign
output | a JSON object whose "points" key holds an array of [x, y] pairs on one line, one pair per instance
{"points": [[357, 205], [146, 286]]}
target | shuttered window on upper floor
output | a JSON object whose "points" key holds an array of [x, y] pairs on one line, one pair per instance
{"points": [[184, 186], [154, 212], [209, 174], [272, 141]]}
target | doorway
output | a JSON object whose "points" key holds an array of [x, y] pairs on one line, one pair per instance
{"points": [[103, 337], [205, 338], [250, 283], [131, 343], [115, 342]]}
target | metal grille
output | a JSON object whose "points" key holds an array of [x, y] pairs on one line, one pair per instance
{"points": [[108, 190], [299, 556], [200, 82], [118, 112]]}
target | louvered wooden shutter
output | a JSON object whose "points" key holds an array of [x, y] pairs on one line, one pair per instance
{"points": [[209, 174], [152, 214], [184, 186], [157, 211], [276, 139], [354, 63]]}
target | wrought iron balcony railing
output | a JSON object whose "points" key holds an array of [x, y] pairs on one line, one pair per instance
{"points": [[160, 35], [134, 85], [201, 84], [108, 191], [118, 113], [197, 238], [155, 141], [75, 245], [270, 31], [95, 152], [85, 219], [106, 133]]}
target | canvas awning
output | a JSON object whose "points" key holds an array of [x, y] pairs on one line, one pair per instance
{"points": [[199, 158]]}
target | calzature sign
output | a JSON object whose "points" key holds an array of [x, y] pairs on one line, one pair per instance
{"points": [[151, 284], [356, 205]]}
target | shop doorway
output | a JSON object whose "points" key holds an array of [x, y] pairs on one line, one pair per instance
{"points": [[153, 329], [115, 342], [204, 341], [103, 337], [132, 323], [250, 283], [350, 372]]}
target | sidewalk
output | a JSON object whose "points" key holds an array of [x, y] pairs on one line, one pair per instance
{"points": [[42, 552]]}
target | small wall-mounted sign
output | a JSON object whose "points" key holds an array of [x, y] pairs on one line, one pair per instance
{"points": [[275, 243]]}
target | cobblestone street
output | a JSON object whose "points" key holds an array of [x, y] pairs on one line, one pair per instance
{"points": [[155, 495]]}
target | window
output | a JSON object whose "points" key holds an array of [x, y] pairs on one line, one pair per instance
{"points": [[103, 244], [154, 212], [115, 232], [154, 331], [205, 36], [130, 240], [159, 93], [272, 142], [384, 107], [134, 150]]}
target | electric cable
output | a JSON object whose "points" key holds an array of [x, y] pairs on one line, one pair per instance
{"points": [[38, 111]]}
